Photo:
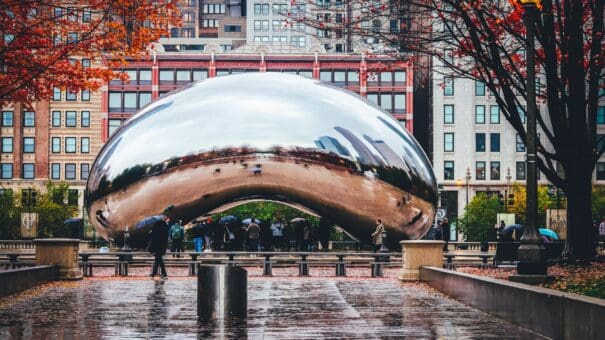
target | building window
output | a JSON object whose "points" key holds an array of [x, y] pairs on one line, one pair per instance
{"points": [[55, 171], [480, 142], [479, 88], [56, 94], [113, 125], [28, 171], [85, 118], [325, 76], [70, 171], [7, 144], [386, 78], [7, 118], [480, 114], [233, 28], [210, 23], [115, 101], [448, 57], [130, 101], [71, 96], [84, 145], [84, 169], [200, 75], [399, 77], [29, 145], [448, 86], [144, 76], [601, 115], [29, 119], [399, 100], [480, 170], [7, 171], [167, 76], [340, 77], [56, 118], [70, 144], [494, 142], [494, 171], [448, 142], [86, 16], [71, 119], [55, 144], [352, 77], [520, 171], [448, 170], [183, 76], [521, 112], [494, 114], [385, 102], [448, 114], [85, 95], [519, 145], [600, 171]]}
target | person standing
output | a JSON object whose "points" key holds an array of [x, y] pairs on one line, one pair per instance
{"points": [[306, 236], [377, 235], [253, 235], [198, 235], [325, 228], [277, 231], [177, 235], [158, 242], [602, 230]]}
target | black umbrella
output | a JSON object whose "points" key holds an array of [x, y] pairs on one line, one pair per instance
{"points": [[510, 228], [249, 220], [72, 221], [227, 219], [147, 221]]}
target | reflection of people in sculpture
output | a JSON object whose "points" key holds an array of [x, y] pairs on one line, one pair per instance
{"points": [[377, 235], [277, 231]]}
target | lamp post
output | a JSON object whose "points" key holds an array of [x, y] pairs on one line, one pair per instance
{"points": [[508, 178], [531, 267], [467, 179]]}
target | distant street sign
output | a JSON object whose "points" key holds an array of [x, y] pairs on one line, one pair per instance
{"points": [[441, 213]]}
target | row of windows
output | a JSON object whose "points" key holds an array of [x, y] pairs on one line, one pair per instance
{"points": [[70, 144], [28, 145], [28, 171], [128, 101], [72, 14], [494, 114], [295, 40], [480, 174], [210, 23], [70, 171], [170, 76], [276, 25], [392, 102], [279, 9], [213, 9], [480, 142], [70, 96], [71, 118], [8, 118]]}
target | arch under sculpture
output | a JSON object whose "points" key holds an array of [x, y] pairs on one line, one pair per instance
{"points": [[266, 136]]}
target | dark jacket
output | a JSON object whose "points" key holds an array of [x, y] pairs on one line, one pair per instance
{"points": [[198, 230], [158, 238]]}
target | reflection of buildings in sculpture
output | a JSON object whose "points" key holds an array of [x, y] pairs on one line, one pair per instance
{"points": [[364, 154], [409, 154], [333, 145], [389, 155]]}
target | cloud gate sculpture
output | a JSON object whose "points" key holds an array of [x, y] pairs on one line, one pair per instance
{"points": [[268, 136]]}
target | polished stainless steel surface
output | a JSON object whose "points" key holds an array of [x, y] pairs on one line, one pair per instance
{"points": [[271, 136], [222, 292]]}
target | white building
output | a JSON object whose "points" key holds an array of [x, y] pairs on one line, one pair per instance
{"points": [[475, 149]]}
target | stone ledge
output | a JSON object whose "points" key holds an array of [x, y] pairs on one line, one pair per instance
{"points": [[549, 312], [17, 280]]}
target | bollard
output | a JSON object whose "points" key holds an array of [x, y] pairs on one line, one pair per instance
{"points": [[341, 268], [192, 264], [267, 266], [222, 292], [303, 266]]}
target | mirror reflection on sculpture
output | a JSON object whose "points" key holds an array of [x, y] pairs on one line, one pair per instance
{"points": [[270, 136]]}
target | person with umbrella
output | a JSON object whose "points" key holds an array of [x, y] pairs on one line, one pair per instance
{"points": [[158, 242]]}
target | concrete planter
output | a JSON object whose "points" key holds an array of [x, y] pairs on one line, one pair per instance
{"points": [[62, 252], [418, 253]]}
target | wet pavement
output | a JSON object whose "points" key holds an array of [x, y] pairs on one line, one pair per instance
{"points": [[278, 308]]}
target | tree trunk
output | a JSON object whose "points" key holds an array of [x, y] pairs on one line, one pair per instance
{"points": [[580, 244]]}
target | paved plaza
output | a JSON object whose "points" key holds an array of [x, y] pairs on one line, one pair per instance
{"points": [[278, 308]]}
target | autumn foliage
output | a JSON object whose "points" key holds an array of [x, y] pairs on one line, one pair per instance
{"points": [[50, 44]]}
